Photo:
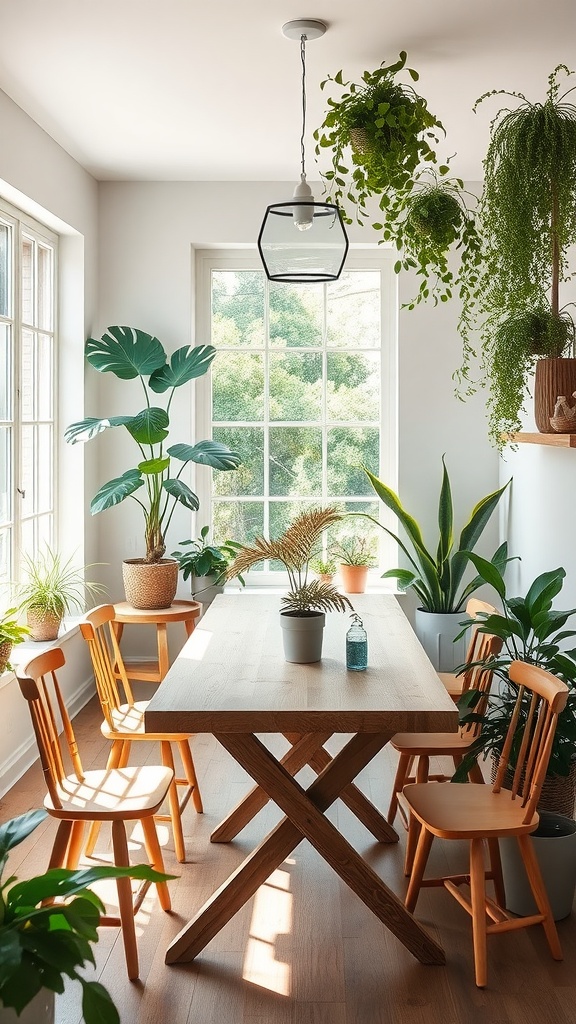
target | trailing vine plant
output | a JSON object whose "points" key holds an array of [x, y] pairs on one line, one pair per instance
{"points": [[382, 139], [528, 221]]}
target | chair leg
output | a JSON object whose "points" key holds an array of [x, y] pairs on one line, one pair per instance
{"points": [[496, 869], [75, 845], [125, 753], [190, 773], [125, 903], [60, 847], [155, 857], [168, 762], [422, 771], [399, 782], [112, 762], [540, 894], [420, 861], [478, 894]]}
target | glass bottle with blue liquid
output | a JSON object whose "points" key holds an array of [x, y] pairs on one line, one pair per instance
{"points": [[356, 646]]}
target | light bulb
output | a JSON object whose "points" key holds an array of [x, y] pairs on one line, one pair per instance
{"points": [[303, 214]]}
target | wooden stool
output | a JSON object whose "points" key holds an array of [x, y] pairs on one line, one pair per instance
{"points": [[180, 611]]}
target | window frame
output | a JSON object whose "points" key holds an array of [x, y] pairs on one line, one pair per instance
{"points": [[381, 261], [25, 226]]}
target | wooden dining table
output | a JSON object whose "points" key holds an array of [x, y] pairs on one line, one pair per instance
{"points": [[231, 680]]}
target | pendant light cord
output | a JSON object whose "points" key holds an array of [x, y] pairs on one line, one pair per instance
{"points": [[303, 59]]}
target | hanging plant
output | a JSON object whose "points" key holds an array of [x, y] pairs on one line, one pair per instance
{"points": [[528, 222], [379, 133]]}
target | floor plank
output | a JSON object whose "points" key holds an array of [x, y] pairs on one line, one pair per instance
{"points": [[304, 950]]}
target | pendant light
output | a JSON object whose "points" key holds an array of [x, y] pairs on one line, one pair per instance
{"points": [[301, 240]]}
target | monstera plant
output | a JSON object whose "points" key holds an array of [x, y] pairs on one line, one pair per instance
{"points": [[155, 482]]}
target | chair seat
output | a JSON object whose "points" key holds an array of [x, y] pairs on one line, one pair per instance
{"points": [[452, 683], [429, 744], [128, 723], [467, 811], [112, 793]]}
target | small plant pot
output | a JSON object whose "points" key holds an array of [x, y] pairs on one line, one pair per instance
{"points": [[302, 636], [150, 585], [205, 589], [5, 652], [43, 625], [354, 578], [436, 632]]}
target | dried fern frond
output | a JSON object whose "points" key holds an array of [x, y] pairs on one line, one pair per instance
{"points": [[316, 596], [294, 548]]}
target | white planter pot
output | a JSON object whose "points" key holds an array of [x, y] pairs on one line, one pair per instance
{"points": [[302, 637], [436, 633], [39, 1011], [555, 846], [204, 589]]}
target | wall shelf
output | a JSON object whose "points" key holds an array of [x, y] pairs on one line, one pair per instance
{"points": [[558, 440]]}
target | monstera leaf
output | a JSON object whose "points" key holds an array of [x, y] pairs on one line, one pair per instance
{"points": [[149, 427], [206, 453], [126, 352], [116, 490], [86, 429], [185, 364], [179, 490]]}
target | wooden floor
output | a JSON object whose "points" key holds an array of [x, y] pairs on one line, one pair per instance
{"points": [[305, 950]]}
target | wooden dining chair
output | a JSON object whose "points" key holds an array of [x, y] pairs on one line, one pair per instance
{"points": [[115, 795], [455, 684], [416, 748], [483, 814], [124, 722]]}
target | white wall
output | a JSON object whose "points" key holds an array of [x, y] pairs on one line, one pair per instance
{"points": [[37, 176]]}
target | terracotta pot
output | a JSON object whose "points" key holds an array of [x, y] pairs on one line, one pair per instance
{"points": [[354, 578], [150, 584], [554, 377], [43, 625]]}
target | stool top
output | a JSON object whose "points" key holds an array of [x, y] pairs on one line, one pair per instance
{"points": [[179, 611]]}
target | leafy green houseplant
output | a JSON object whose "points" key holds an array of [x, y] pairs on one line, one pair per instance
{"points": [[531, 631], [528, 222], [205, 564], [43, 942], [155, 483], [52, 588], [355, 557], [308, 599], [437, 577], [11, 633]]}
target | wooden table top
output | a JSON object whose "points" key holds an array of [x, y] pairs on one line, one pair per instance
{"points": [[231, 676], [179, 611]]}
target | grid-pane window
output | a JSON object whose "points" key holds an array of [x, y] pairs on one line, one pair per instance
{"points": [[27, 398], [301, 388]]}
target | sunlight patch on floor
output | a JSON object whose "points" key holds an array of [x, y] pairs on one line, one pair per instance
{"points": [[271, 917]]}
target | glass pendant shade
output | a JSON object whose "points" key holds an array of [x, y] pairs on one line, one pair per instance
{"points": [[302, 241]]}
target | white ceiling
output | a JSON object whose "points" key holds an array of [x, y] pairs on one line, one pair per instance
{"points": [[190, 91]]}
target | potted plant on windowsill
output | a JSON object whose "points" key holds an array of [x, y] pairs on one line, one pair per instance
{"points": [[527, 213], [325, 568], [354, 559], [11, 633], [303, 609], [438, 579], [205, 565], [42, 943], [52, 588], [155, 483]]}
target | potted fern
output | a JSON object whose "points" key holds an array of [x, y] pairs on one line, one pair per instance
{"points": [[302, 615], [52, 588], [528, 221]]}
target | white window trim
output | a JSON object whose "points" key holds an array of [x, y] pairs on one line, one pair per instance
{"points": [[207, 260]]}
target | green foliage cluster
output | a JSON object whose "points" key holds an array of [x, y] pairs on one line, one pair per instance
{"points": [[11, 632], [353, 550], [203, 559], [54, 585], [43, 943], [129, 353], [528, 221], [295, 549], [531, 631], [437, 579]]}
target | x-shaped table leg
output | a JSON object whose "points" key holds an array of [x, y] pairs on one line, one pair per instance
{"points": [[304, 819], [295, 759]]}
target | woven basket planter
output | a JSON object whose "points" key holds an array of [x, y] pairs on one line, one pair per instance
{"points": [[558, 792], [359, 140], [554, 377], [43, 625], [150, 584], [5, 652]]}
